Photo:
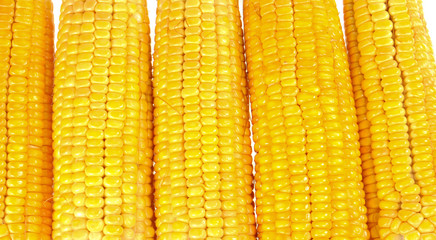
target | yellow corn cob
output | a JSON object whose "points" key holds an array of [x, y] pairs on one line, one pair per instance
{"points": [[203, 165], [308, 174], [103, 122], [393, 73], [26, 78]]}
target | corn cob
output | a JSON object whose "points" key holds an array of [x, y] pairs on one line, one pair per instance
{"points": [[26, 78], [103, 122], [203, 177], [393, 72], [308, 174]]}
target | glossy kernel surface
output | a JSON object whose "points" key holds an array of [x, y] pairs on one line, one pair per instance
{"points": [[393, 72], [103, 122], [308, 169], [203, 163], [26, 78]]}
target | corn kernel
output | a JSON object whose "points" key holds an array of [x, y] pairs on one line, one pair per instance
{"points": [[202, 147], [391, 85], [102, 117]]}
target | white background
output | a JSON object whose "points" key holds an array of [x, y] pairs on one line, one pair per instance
{"points": [[429, 10]]}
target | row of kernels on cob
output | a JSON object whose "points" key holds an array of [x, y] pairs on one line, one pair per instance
{"points": [[26, 73], [102, 122], [308, 182], [308, 172], [393, 73], [202, 147]]}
